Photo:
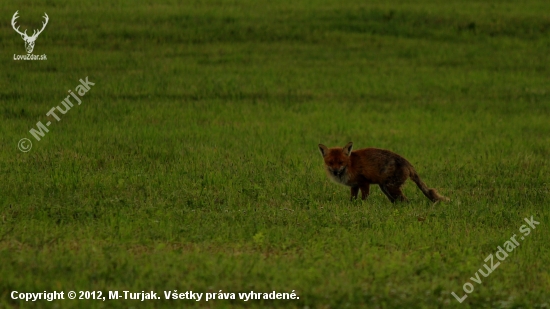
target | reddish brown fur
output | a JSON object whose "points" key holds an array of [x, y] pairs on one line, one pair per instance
{"points": [[360, 168]]}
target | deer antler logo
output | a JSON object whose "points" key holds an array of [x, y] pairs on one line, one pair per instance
{"points": [[29, 40]]}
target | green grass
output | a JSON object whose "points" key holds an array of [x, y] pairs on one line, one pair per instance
{"points": [[192, 164]]}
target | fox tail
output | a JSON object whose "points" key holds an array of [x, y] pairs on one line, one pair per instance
{"points": [[429, 193]]}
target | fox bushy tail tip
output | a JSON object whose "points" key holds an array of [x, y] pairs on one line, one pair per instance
{"points": [[436, 197]]}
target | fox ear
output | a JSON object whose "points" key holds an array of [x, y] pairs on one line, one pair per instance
{"points": [[348, 148], [323, 149]]}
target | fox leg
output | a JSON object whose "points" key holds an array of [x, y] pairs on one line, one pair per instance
{"points": [[365, 190], [354, 192], [396, 193], [385, 190]]}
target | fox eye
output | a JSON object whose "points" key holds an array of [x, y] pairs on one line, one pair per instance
{"points": [[341, 162]]}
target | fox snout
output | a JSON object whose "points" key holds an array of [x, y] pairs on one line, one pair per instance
{"points": [[338, 172]]}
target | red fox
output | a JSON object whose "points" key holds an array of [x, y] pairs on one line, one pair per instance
{"points": [[361, 168]]}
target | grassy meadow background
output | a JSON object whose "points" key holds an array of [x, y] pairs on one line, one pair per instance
{"points": [[192, 164]]}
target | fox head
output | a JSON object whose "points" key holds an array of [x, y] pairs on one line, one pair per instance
{"points": [[336, 160]]}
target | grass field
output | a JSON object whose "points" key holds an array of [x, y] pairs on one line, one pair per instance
{"points": [[192, 163]]}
